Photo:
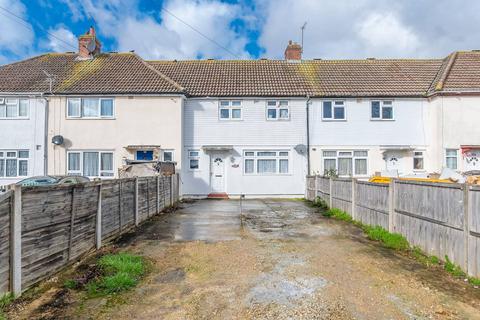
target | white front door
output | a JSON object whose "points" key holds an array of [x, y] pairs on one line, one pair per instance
{"points": [[471, 160], [394, 161], [217, 172]]}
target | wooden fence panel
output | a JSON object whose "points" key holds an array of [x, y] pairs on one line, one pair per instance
{"points": [[6, 204], [474, 232], [143, 198], [167, 185], [431, 216], [342, 194], [371, 203], [323, 188], [152, 196], [111, 222], [128, 203]]}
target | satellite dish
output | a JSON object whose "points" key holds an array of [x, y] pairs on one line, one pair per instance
{"points": [[301, 148], [91, 45], [57, 140]]}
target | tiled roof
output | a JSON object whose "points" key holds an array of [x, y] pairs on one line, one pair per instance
{"points": [[307, 77], [460, 72], [110, 73]]}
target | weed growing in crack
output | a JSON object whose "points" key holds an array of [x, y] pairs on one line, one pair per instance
{"points": [[5, 301]]}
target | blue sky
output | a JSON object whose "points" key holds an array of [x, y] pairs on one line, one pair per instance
{"points": [[242, 29]]}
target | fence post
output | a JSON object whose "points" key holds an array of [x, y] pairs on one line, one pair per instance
{"points": [[330, 203], [120, 217], [315, 194], [16, 242], [72, 224], [466, 223], [98, 229], [391, 206], [158, 194], [137, 220], [354, 182], [171, 190]]}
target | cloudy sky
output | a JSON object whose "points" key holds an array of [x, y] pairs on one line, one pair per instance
{"points": [[192, 29]]}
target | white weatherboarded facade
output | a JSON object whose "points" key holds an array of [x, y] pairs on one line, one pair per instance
{"points": [[355, 143], [247, 155], [22, 137]]}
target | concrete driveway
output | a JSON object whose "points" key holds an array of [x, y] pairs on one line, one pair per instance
{"points": [[278, 259]]}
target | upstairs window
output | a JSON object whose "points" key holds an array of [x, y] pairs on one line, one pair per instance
{"points": [[13, 108], [382, 110], [451, 158], [278, 110], [333, 110], [230, 110], [14, 163], [91, 108]]}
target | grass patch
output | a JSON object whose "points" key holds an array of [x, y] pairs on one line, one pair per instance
{"points": [[338, 214], [393, 241], [453, 269], [5, 301]]}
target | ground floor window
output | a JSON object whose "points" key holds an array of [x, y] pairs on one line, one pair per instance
{"points": [[168, 155], [418, 160], [266, 162], [194, 159], [14, 163], [345, 163], [451, 156], [90, 163]]}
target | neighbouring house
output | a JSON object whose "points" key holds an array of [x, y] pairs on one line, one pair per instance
{"points": [[103, 110]]}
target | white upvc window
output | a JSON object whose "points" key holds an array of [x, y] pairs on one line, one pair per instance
{"points": [[230, 110], [382, 110], [334, 110], [345, 162], [418, 161], [14, 108], [266, 162], [168, 155], [278, 110], [451, 158], [194, 159], [14, 163], [90, 163], [90, 108]]}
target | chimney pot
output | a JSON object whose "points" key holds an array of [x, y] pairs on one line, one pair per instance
{"points": [[85, 45], [293, 51]]}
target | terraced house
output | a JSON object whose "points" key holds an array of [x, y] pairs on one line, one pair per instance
{"points": [[253, 127]]}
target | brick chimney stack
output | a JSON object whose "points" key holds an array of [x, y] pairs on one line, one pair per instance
{"points": [[88, 45], [293, 51]]}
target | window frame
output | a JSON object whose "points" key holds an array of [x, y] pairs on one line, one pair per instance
{"points": [[352, 156], [447, 156], [81, 170], [277, 107], [99, 108], [193, 157], [4, 157], [172, 151], [17, 108], [230, 107], [335, 106], [421, 156], [382, 105], [277, 157]]}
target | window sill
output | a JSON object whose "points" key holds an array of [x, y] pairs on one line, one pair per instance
{"points": [[228, 120], [87, 118], [15, 118], [380, 120], [334, 120]]}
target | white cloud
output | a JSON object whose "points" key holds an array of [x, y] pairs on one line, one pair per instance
{"points": [[61, 39], [16, 36], [162, 36], [383, 32], [364, 28]]}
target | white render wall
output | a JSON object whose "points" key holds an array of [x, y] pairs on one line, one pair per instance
{"points": [[454, 121], [26, 134], [202, 127], [358, 132]]}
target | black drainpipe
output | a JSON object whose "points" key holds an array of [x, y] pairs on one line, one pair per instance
{"points": [[308, 135]]}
